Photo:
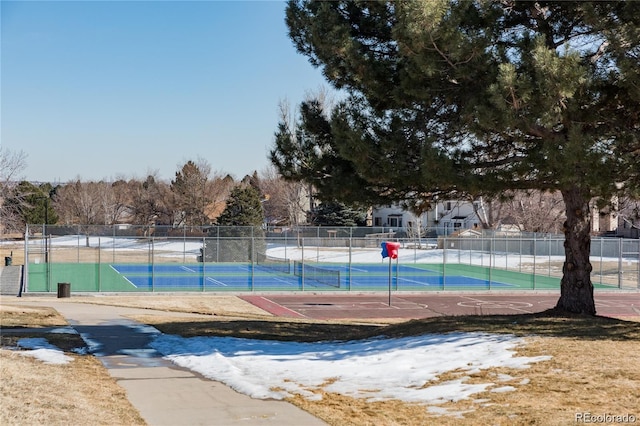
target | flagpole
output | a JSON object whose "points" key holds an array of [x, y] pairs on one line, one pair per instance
{"points": [[389, 281]]}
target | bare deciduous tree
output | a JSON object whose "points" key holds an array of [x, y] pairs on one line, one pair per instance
{"points": [[629, 214], [528, 211], [217, 192], [151, 201], [285, 202], [81, 203], [12, 165]]}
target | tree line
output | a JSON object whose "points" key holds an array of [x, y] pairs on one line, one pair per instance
{"points": [[195, 197], [199, 197]]}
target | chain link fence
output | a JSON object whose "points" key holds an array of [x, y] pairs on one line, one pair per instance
{"points": [[253, 258]]}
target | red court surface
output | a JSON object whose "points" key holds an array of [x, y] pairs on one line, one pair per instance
{"points": [[411, 306]]}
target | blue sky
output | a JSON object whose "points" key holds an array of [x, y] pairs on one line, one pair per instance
{"points": [[108, 89]]}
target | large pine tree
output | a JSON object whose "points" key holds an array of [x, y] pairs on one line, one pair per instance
{"points": [[190, 192], [480, 97], [239, 236]]}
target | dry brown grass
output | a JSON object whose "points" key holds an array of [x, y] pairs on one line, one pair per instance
{"points": [[207, 304], [81, 392], [26, 316], [35, 393]]}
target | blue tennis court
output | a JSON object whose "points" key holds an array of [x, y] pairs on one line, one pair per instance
{"points": [[327, 277]]}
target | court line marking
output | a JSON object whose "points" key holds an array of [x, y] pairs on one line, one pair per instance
{"points": [[213, 280], [496, 304], [123, 276], [422, 283], [290, 283]]}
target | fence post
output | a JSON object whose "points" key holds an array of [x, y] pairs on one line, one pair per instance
{"points": [[47, 262], [25, 279], [113, 244], [350, 250], [548, 238], [520, 260], [619, 262], [252, 248], [601, 257], [99, 264], [318, 244], [638, 264], [78, 246], [302, 264], [153, 278], [204, 263], [535, 254], [286, 244], [444, 259], [492, 246]]}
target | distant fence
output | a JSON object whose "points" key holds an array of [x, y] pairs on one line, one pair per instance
{"points": [[253, 258]]}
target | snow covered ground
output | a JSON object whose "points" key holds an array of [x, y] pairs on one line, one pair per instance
{"points": [[40, 348], [381, 368], [374, 369], [191, 249]]}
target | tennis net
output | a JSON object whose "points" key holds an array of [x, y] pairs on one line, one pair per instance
{"points": [[322, 275], [282, 266]]}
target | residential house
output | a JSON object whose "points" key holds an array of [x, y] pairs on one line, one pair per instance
{"points": [[445, 218]]}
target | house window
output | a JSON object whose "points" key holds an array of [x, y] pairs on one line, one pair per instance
{"points": [[395, 222], [377, 221], [457, 225], [448, 205]]}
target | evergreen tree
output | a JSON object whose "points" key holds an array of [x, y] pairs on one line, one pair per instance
{"points": [[243, 208], [477, 98], [339, 214], [239, 235], [308, 152], [190, 190], [33, 203]]}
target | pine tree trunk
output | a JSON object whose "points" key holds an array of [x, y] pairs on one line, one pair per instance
{"points": [[576, 289]]}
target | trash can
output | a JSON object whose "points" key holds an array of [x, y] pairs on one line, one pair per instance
{"points": [[7, 261], [64, 290]]}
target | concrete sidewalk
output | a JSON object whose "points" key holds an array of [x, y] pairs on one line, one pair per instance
{"points": [[163, 393]]}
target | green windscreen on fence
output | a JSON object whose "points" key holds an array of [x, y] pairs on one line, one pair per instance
{"points": [[322, 260]]}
